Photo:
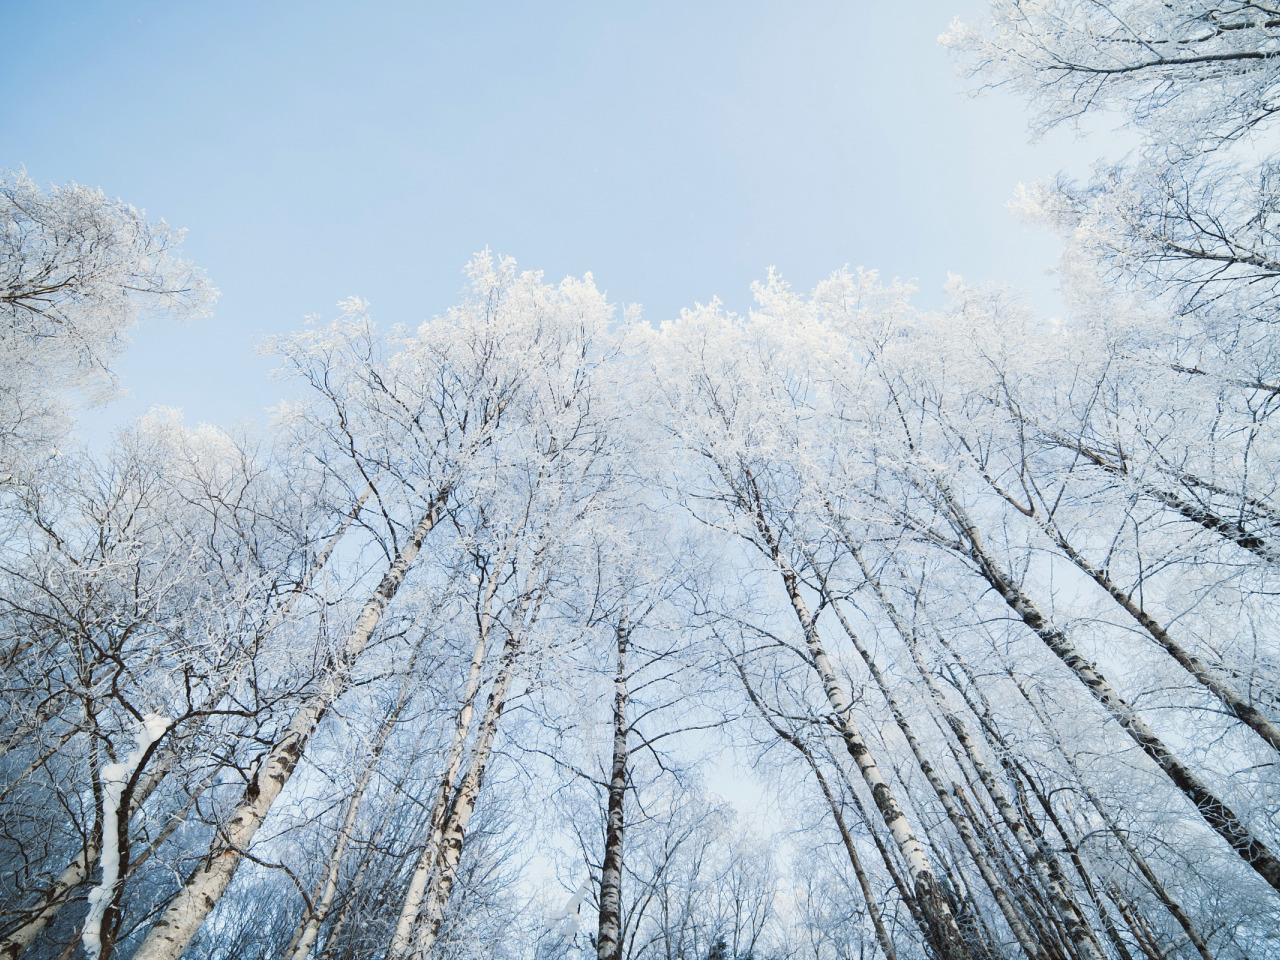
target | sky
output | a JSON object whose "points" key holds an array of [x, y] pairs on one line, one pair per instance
{"points": [[316, 151]]}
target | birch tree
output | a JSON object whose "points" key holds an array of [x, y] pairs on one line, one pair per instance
{"points": [[724, 405], [413, 427], [546, 493], [137, 592], [77, 271]]}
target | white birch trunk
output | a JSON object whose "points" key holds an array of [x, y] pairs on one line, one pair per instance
{"points": [[56, 895], [944, 932], [1122, 836], [463, 805], [401, 944], [1221, 818], [1203, 674], [333, 938], [1241, 709], [51, 901], [1078, 928], [959, 819], [864, 882], [170, 936], [609, 926], [1230, 530], [304, 938]]}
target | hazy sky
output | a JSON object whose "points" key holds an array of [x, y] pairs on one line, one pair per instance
{"points": [[317, 150]]}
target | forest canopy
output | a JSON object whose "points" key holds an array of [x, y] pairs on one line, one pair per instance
{"points": [[442, 662]]}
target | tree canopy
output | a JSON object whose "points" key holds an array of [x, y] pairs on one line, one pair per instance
{"points": [[455, 658]]}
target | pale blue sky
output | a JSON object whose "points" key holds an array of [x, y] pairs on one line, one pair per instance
{"points": [[320, 150]]}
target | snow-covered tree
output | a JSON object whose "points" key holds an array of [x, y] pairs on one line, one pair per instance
{"points": [[77, 271]]}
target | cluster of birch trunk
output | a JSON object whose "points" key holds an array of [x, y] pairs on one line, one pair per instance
{"points": [[834, 628]]}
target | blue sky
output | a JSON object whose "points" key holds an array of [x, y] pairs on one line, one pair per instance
{"points": [[316, 151]]}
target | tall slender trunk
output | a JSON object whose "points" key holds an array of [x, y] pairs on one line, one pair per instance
{"points": [[1136, 923], [1230, 530], [1034, 912], [1044, 865], [899, 882], [1122, 836], [1018, 775], [334, 934], [958, 818], [1221, 818], [942, 930], [1158, 888], [1203, 674], [314, 916], [609, 927], [57, 894], [1237, 706], [864, 882], [200, 892], [464, 801], [401, 944]]}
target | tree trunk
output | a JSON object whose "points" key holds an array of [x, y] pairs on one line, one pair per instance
{"points": [[333, 935], [886, 854], [1050, 876], [1243, 711], [864, 882], [958, 818], [1157, 887], [57, 894], [609, 927], [1221, 818], [1141, 932], [181, 920], [942, 930], [1018, 775], [463, 804], [402, 936], [1230, 530], [308, 929]]}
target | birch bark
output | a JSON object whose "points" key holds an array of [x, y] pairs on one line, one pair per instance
{"points": [[943, 932], [333, 937], [1045, 868], [1238, 707], [170, 936], [1122, 836], [1220, 817], [1203, 674], [1018, 776], [864, 882], [1026, 939], [1228, 529], [304, 936], [463, 803], [609, 927], [57, 894], [941, 929], [401, 945]]}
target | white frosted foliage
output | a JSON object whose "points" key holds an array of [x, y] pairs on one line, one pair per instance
{"points": [[115, 776]]}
